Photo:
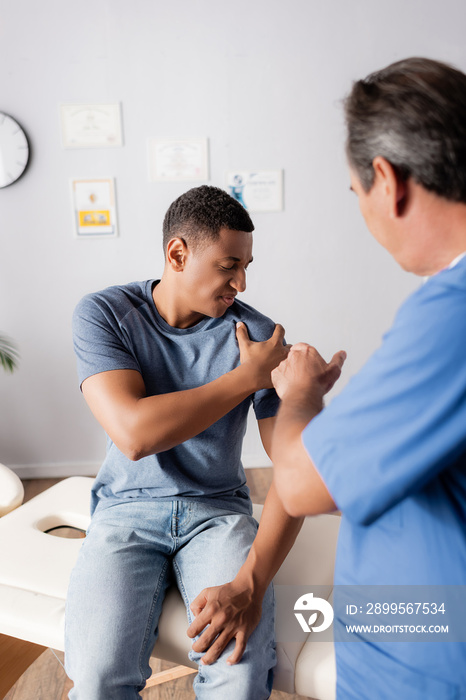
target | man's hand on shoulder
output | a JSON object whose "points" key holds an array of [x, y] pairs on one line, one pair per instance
{"points": [[263, 356]]}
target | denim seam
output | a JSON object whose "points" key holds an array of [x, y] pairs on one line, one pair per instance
{"points": [[150, 619], [179, 578], [182, 590], [178, 517]]}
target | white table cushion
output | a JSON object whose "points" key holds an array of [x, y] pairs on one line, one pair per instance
{"points": [[35, 569], [37, 562], [11, 490]]}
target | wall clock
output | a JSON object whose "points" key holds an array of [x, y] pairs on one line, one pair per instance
{"points": [[14, 150]]}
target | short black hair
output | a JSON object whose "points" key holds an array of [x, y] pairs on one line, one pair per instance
{"points": [[413, 113], [199, 214]]}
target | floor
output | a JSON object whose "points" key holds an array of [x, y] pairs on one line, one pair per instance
{"points": [[46, 679]]}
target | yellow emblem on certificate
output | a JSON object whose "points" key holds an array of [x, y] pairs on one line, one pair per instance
{"points": [[94, 218]]}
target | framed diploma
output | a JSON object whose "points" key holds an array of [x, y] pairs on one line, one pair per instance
{"points": [[94, 210], [178, 160], [91, 125], [260, 190]]}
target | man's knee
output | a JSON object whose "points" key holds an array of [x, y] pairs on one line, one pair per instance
{"points": [[252, 677]]}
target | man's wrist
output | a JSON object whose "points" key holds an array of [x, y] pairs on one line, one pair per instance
{"points": [[249, 374], [307, 404], [253, 578]]}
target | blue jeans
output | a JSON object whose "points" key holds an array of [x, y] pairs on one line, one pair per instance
{"points": [[132, 553]]}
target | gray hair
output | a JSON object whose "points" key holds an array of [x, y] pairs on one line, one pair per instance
{"points": [[413, 113]]}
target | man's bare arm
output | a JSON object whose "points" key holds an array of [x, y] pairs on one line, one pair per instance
{"points": [[142, 425], [301, 488], [234, 610], [301, 382]]}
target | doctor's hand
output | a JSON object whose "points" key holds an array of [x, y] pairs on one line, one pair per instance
{"points": [[305, 373], [227, 612]]}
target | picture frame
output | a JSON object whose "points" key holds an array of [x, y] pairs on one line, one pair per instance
{"points": [[91, 125], [257, 190], [178, 160], [94, 208]]}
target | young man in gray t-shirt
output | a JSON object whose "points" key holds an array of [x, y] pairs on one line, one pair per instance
{"points": [[170, 368]]}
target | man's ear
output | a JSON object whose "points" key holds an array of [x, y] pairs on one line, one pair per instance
{"points": [[177, 252], [393, 189]]}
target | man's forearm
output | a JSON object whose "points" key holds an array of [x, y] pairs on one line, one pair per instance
{"points": [[298, 482], [276, 535], [142, 425], [181, 415]]}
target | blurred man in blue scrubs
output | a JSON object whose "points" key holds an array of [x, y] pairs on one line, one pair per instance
{"points": [[390, 451]]}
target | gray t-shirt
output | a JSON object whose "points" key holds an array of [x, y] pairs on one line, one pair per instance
{"points": [[120, 328]]}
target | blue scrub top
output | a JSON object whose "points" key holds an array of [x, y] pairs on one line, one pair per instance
{"points": [[391, 449]]}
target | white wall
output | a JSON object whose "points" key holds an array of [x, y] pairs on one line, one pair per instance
{"points": [[263, 79]]}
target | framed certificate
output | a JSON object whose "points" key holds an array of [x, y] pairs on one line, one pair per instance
{"points": [[260, 190], [94, 210], [91, 125], [178, 160]]}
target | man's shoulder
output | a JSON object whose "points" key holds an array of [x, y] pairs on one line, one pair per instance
{"points": [[430, 326], [117, 300], [260, 326], [441, 298], [453, 278]]}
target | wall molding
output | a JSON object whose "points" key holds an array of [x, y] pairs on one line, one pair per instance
{"points": [[58, 470], [55, 470]]}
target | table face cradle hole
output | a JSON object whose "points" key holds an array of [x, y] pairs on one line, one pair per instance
{"points": [[69, 533], [68, 526]]}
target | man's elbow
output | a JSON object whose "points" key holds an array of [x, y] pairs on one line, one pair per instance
{"points": [[302, 497], [133, 451], [135, 448], [132, 445], [135, 454], [289, 494], [293, 505], [136, 439]]}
